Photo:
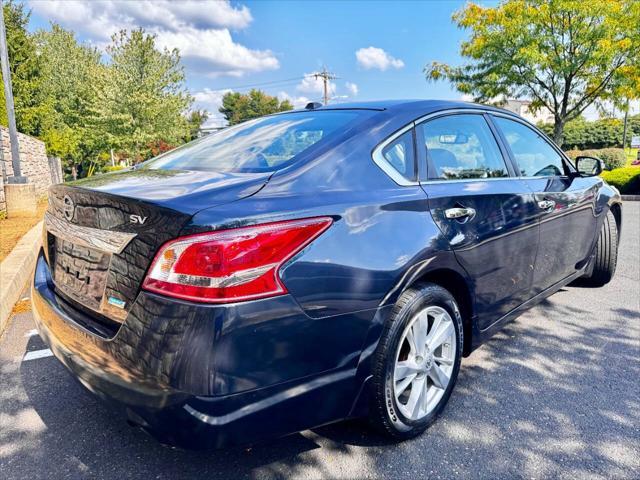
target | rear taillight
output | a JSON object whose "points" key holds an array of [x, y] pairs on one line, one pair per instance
{"points": [[231, 265]]}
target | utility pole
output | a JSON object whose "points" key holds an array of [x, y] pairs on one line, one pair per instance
{"points": [[624, 130], [325, 76], [11, 114], [19, 196]]}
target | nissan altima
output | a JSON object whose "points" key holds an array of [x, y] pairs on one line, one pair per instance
{"points": [[314, 265]]}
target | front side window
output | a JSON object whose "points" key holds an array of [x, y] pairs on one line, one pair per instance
{"points": [[533, 154], [462, 146], [399, 154], [261, 145]]}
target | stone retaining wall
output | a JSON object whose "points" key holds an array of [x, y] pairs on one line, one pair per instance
{"points": [[40, 170]]}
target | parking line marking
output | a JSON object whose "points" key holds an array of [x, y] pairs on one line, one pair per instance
{"points": [[31, 333], [36, 354]]}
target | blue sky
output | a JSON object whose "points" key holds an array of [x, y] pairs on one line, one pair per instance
{"points": [[377, 49]]}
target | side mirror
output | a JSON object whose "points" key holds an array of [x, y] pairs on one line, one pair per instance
{"points": [[589, 166]]}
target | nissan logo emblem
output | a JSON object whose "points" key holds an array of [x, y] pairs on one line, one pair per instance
{"points": [[68, 207]]}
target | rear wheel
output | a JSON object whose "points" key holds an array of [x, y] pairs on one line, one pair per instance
{"points": [[606, 255], [417, 361]]}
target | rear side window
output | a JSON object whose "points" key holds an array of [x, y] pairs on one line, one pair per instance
{"points": [[261, 145], [462, 146], [399, 154], [533, 154]]}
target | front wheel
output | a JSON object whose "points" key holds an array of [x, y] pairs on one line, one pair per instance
{"points": [[417, 361], [606, 255]]}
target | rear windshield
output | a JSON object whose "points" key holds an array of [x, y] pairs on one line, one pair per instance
{"points": [[261, 145]]}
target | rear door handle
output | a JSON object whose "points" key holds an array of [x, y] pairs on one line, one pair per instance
{"points": [[459, 212], [546, 204]]}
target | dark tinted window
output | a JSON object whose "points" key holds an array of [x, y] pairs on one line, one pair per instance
{"points": [[462, 146], [399, 154], [533, 154], [260, 145]]}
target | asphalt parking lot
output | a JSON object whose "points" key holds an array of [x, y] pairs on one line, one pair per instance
{"points": [[556, 394]]}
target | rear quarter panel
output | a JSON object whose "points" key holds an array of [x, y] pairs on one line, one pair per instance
{"points": [[382, 239], [381, 230]]}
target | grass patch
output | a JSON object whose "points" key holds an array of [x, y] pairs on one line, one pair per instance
{"points": [[12, 229], [632, 154]]}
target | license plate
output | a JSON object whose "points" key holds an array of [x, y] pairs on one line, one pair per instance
{"points": [[81, 272]]}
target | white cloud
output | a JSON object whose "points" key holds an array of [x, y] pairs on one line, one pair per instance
{"points": [[373, 57], [215, 53], [211, 100], [201, 30], [101, 18], [314, 85], [352, 88]]}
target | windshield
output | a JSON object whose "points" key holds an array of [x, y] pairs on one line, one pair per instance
{"points": [[261, 145]]}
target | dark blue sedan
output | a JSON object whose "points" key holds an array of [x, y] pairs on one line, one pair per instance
{"points": [[314, 265]]}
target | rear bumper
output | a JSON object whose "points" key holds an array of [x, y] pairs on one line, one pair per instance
{"points": [[208, 376]]}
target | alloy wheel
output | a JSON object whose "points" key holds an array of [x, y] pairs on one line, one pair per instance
{"points": [[424, 362]]}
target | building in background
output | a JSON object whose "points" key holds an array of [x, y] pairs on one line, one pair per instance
{"points": [[522, 108], [206, 130]]}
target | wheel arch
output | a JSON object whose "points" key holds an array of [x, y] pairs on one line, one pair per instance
{"points": [[616, 209], [456, 284]]}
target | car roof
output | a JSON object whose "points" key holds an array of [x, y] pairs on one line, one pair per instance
{"points": [[405, 106]]}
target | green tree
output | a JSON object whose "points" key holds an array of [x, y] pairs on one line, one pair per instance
{"points": [[195, 119], [143, 95], [237, 107], [563, 54], [25, 71], [69, 92], [603, 133]]}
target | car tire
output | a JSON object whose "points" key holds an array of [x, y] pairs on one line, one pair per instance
{"points": [[606, 254], [398, 353]]}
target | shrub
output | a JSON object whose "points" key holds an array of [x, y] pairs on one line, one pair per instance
{"points": [[626, 179], [112, 168], [612, 157], [573, 153]]}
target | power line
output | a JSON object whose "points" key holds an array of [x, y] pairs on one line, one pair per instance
{"points": [[262, 84], [324, 75]]}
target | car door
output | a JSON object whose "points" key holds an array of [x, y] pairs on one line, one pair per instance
{"points": [[485, 212], [565, 202]]}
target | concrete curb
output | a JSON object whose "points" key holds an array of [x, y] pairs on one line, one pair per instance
{"points": [[16, 270], [630, 198]]}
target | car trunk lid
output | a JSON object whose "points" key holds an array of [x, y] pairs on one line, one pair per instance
{"points": [[103, 232]]}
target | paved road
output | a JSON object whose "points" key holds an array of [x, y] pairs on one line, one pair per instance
{"points": [[555, 394]]}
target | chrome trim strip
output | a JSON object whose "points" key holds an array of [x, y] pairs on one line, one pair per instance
{"points": [[386, 167], [491, 179], [105, 240], [468, 180], [379, 159], [453, 111]]}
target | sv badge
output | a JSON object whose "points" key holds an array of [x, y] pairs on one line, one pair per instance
{"points": [[137, 219]]}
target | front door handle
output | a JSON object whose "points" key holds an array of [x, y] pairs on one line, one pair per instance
{"points": [[546, 204], [459, 212]]}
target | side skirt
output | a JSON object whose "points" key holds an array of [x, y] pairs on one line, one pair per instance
{"points": [[481, 336]]}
